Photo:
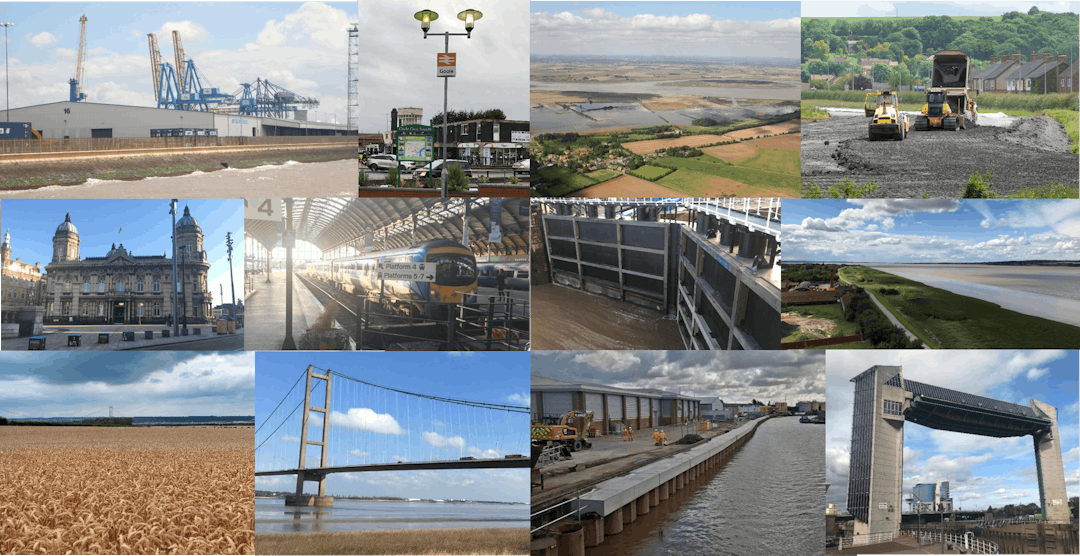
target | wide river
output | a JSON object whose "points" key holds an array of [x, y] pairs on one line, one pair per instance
{"points": [[791, 92], [273, 516], [1050, 292], [769, 499]]}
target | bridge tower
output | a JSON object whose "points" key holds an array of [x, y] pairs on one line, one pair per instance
{"points": [[321, 499], [1050, 468], [877, 451]]}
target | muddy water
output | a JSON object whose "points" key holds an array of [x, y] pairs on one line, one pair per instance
{"points": [[564, 318], [295, 179], [1048, 292], [768, 499]]}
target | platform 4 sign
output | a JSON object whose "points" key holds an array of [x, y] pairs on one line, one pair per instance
{"points": [[413, 272]]}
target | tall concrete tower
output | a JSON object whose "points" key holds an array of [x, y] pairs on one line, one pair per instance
{"points": [[877, 451], [1049, 467], [66, 241]]}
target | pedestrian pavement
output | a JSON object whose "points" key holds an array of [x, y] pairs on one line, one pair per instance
{"points": [[56, 337], [265, 313]]}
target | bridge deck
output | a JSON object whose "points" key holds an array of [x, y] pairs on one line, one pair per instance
{"points": [[944, 409], [501, 463]]}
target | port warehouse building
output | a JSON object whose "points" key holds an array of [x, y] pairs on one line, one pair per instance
{"points": [[616, 408], [79, 120]]}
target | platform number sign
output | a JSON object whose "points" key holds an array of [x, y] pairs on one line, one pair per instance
{"points": [[263, 209]]}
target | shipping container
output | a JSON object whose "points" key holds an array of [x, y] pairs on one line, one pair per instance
{"points": [[14, 130]]}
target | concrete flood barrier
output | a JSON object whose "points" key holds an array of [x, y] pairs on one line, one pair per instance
{"points": [[613, 505]]}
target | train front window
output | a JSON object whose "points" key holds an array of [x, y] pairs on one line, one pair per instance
{"points": [[453, 269]]}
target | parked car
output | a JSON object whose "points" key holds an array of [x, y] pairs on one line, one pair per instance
{"points": [[436, 168], [522, 166], [383, 162]]}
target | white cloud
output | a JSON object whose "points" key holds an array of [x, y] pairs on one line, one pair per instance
{"points": [[887, 223], [290, 438], [43, 39], [190, 33], [522, 399], [1037, 372], [608, 361], [439, 441], [364, 419], [360, 453], [439, 424]]}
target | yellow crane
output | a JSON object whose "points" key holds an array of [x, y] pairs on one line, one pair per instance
{"points": [[76, 82], [155, 65], [181, 70]]}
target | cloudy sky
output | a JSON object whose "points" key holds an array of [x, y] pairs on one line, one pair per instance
{"points": [[147, 230], [982, 471], [915, 9], [930, 230], [712, 29], [373, 425], [731, 375], [302, 47], [136, 384], [397, 67]]}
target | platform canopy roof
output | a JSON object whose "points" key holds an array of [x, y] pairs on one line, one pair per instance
{"points": [[329, 223]]}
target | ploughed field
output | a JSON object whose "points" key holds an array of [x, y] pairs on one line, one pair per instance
{"points": [[126, 490], [1031, 152]]}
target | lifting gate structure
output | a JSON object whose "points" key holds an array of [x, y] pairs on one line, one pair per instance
{"points": [[716, 290]]}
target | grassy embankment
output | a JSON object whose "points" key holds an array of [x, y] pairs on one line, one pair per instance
{"points": [[960, 322], [413, 541], [130, 174]]}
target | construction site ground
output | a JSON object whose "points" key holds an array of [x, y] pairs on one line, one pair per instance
{"points": [[611, 456], [1029, 152]]}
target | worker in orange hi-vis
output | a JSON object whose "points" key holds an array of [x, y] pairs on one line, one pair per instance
{"points": [[624, 437], [663, 438], [656, 437], [630, 432]]}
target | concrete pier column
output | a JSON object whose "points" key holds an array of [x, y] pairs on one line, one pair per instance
{"points": [[691, 474], [662, 491], [629, 513], [680, 480], [571, 540], [544, 546], [613, 523], [593, 531], [643, 504], [654, 496]]}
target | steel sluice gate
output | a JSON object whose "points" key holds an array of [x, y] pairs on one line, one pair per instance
{"points": [[712, 285]]}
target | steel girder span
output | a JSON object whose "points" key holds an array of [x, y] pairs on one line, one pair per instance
{"points": [[333, 224], [950, 410]]}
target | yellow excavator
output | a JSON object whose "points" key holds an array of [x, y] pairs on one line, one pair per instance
{"points": [[887, 121], [570, 431], [950, 104]]}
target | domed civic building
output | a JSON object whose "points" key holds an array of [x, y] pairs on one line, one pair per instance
{"points": [[123, 288]]}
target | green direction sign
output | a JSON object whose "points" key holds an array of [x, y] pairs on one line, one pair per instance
{"points": [[415, 143]]}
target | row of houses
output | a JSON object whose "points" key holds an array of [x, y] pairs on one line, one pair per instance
{"points": [[1039, 74]]}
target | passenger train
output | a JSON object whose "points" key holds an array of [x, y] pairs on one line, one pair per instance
{"points": [[455, 276], [517, 277]]}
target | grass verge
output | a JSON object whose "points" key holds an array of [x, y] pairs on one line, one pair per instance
{"points": [[412, 541], [651, 173], [813, 111], [603, 175], [960, 322]]}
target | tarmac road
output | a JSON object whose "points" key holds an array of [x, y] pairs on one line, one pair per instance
{"points": [[1030, 152]]}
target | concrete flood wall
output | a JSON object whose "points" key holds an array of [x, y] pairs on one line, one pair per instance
{"points": [[1034, 538], [613, 505]]}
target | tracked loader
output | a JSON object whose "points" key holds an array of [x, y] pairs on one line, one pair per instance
{"points": [[950, 104]]}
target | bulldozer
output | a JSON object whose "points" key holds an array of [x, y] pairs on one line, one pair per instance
{"points": [[887, 122], [569, 431], [950, 105]]}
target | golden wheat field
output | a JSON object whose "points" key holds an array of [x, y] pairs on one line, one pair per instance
{"points": [[121, 490]]}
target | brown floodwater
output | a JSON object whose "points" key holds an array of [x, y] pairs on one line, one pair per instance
{"points": [[565, 318]]}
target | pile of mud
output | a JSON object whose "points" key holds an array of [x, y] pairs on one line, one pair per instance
{"points": [[689, 439]]}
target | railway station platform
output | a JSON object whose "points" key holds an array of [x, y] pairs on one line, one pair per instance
{"points": [[265, 313]]}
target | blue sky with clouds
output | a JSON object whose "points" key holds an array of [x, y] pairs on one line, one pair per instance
{"points": [[734, 376], [373, 425], [299, 46], [712, 29], [982, 471], [930, 230], [152, 384], [147, 230], [915, 9]]}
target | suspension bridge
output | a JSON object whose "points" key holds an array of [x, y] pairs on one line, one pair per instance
{"points": [[362, 427]]}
